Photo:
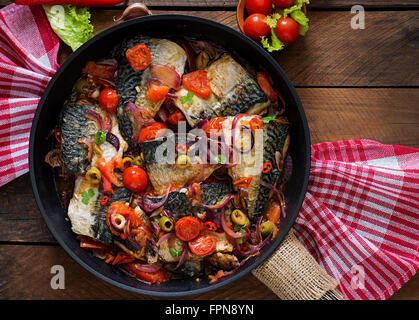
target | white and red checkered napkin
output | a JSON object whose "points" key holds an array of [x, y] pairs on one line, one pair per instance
{"points": [[28, 59], [360, 217]]}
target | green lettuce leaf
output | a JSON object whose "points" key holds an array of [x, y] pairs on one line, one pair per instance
{"points": [[70, 23], [302, 21], [295, 12], [275, 44]]}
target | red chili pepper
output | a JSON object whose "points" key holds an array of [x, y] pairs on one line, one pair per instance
{"points": [[243, 182], [80, 3], [211, 226], [266, 167], [104, 200], [181, 148], [255, 124]]}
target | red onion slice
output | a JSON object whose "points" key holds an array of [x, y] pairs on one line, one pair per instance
{"points": [[113, 140], [272, 188], [167, 214], [164, 237], [167, 75], [184, 255], [96, 117], [219, 205], [148, 267], [149, 207], [89, 145]]}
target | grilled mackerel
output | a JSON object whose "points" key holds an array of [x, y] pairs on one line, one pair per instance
{"points": [[233, 91], [131, 85]]}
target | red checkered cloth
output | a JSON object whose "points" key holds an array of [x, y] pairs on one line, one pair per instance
{"points": [[28, 59], [360, 216]]}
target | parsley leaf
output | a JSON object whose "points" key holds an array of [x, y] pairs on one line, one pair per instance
{"points": [[188, 98]]}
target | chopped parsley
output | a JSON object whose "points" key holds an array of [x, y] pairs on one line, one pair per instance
{"points": [[86, 196], [188, 98]]}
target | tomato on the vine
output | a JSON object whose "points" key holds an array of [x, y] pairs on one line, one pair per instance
{"points": [[255, 26], [286, 30], [282, 3], [259, 6]]}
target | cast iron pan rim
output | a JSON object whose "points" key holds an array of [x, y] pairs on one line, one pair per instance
{"points": [[115, 28]]}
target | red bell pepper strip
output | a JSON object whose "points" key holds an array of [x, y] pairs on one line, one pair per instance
{"points": [[107, 169]]}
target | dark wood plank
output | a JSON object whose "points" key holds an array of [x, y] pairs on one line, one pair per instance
{"points": [[231, 4], [383, 54], [25, 274], [389, 116]]}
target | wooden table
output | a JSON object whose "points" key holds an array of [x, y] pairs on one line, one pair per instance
{"points": [[359, 84]]}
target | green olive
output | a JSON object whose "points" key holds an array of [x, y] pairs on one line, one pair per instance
{"points": [[266, 228], [81, 85], [202, 60], [165, 224], [238, 217], [127, 162], [183, 161], [93, 175]]}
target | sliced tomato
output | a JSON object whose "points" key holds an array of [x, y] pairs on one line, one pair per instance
{"points": [[156, 93], [150, 277], [175, 117], [197, 82], [152, 131], [214, 125], [202, 245], [187, 228], [138, 57], [266, 87]]}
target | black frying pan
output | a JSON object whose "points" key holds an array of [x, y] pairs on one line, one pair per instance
{"points": [[59, 88]]}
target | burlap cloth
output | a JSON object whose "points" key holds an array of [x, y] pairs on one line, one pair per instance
{"points": [[293, 274]]}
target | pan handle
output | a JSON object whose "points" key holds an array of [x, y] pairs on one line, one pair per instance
{"points": [[293, 274]]}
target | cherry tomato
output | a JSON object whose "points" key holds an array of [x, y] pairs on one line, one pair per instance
{"points": [[286, 29], [187, 228], [255, 27], [135, 179], [152, 131], [259, 6], [282, 3], [108, 99], [266, 87], [202, 245], [138, 57], [150, 277], [197, 82], [175, 117], [156, 92], [214, 125]]}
